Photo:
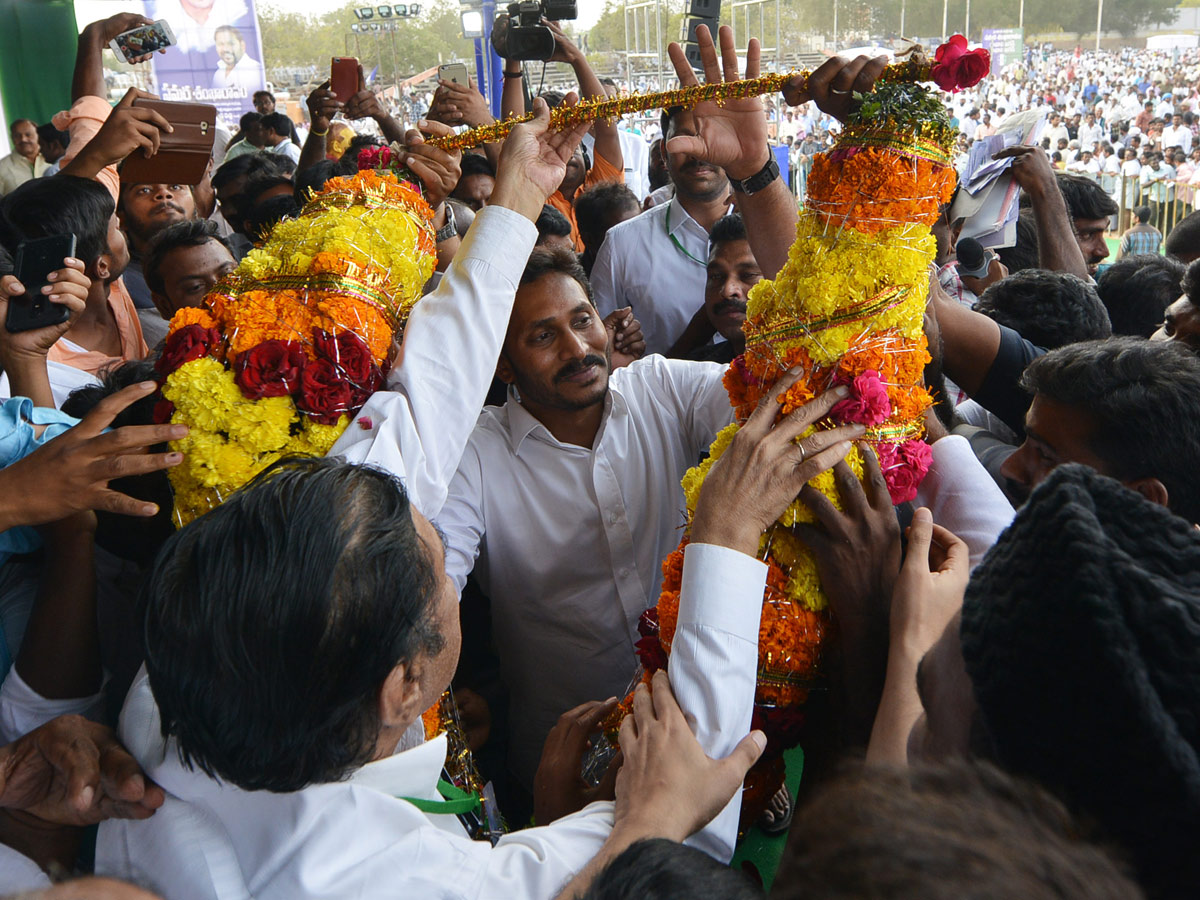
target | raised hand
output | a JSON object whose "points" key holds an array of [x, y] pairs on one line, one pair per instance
{"points": [[460, 104], [929, 590], [439, 170], [68, 286], [74, 772], [732, 135], [765, 467], [105, 30], [625, 337], [834, 83], [533, 161], [70, 473], [323, 105], [126, 130]]}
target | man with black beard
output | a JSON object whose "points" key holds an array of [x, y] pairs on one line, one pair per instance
{"points": [[732, 270], [567, 498], [656, 262]]}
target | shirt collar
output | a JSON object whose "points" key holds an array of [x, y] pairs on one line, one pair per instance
{"points": [[286, 140], [522, 423], [413, 773]]}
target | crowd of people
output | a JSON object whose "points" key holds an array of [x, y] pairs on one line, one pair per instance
{"points": [[1010, 699]]}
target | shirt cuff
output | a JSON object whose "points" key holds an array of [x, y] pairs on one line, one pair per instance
{"points": [[501, 238], [722, 589], [87, 107]]}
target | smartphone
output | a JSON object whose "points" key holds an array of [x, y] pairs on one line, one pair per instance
{"points": [[143, 40], [454, 72], [35, 259], [343, 77]]}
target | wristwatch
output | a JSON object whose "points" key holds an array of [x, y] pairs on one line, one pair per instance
{"points": [[450, 229], [759, 179]]}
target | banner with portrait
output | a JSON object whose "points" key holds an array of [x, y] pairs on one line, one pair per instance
{"points": [[217, 57]]}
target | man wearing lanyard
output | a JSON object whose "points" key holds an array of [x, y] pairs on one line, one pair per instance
{"points": [[656, 262]]}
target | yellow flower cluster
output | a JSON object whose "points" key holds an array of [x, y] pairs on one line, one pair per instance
{"points": [[826, 299]]}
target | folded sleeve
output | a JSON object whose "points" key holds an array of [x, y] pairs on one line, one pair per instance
{"points": [[418, 426], [714, 664], [82, 121]]}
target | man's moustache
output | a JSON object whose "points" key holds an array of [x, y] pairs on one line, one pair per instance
{"points": [[725, 306], [576, 367]]}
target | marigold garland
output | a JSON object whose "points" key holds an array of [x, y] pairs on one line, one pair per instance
{"points": [[846, 308], [295, 340]]}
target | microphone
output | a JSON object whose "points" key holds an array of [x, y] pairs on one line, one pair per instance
{"points": [[973, 260]]}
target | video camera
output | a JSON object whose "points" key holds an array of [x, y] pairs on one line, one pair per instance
{"points": [[520, 34]]}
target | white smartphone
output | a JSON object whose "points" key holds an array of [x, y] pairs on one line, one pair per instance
{"points": [[454, 72], [143, 40]]}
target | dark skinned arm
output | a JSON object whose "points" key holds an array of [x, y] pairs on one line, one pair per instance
{"points": [[1058, 251]]}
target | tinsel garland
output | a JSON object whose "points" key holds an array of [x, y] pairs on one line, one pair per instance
{"points": [[564, 116]]}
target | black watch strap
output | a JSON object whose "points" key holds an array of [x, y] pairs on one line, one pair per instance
{"points": [[759, 179], [450, 229]]}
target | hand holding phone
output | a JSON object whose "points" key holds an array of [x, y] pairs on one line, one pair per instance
{"points": [[140, 43], [39, 308], [456, 73]]}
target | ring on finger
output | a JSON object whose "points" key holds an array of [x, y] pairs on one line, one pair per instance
{"points": [[803, 453], [834, 90]]}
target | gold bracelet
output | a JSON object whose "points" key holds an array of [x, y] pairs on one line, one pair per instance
{"points": [[319, 133]]}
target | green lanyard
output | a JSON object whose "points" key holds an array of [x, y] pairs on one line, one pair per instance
{"points": [[456, 803], [679, 246]]}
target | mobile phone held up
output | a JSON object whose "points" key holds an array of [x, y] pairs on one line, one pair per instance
{"points": [[455, 73], [343, 77], [143, 40], [36, 259]]}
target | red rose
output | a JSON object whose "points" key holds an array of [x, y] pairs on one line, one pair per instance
{"points": [[955, 67], [374, 158], [650, 653], [904, 466], [868, 404], [352, 359], [323, 394], [188, 343], [163, 410], [272, 369]]}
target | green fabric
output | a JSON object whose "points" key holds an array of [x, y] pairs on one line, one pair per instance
{"points": [[456, 802], [37, 39], [762, 852]]}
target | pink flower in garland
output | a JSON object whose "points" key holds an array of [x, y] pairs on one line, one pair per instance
{"points": [[869, 404], [904, 466]]}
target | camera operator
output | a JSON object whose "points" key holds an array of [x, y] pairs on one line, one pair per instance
{"points": [[607, 162]]}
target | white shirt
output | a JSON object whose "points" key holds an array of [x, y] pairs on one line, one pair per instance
{"points": [[1089, 135], [418, 426], [356, 838], [19, 873], [63, 380], [288, 149], [1180, 137], [246, 73], [639, 265], [568, 542]]}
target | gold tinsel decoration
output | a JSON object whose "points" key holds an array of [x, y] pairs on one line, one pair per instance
{"points": [[565, 116]]}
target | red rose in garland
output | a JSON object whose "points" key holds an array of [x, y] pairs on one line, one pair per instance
{"points": [[323, 394], [272, 369], [186, 344], [955, 67], [351, 356]]}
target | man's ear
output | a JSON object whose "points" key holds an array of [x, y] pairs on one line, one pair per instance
{"points": [[504, 369], [1152, 489], [101, 269], [400, 697]]}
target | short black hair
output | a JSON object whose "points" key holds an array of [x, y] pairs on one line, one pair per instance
{"points": [[258, 185], [475, 164], [258, 94], [188, 233], [248, 164], [1024, 253], [12, 127], [1143, 214], [1144, 397], [64, 204], [271, 623], [266, 215], [52, 135], [1191, 282], [552, 223], [1136, 291], [277, 123], [1048, 308], [727, 228], [247, 120], [544, 260], [1184, 240], [595, 206], [1085, 198], [658, 869]]}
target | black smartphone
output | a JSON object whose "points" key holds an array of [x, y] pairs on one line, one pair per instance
{"points": [[36, 259]]}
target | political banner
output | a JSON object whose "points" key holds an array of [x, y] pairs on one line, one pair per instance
{"points": [[217, 57], [1007, 46]]}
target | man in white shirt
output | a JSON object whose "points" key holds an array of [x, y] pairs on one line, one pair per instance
{"points": [[276, 136], [25, 162], [1177, 135], [567, 498], [297, 767], [656, 261], [1057, 130], [1090, 133]]}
